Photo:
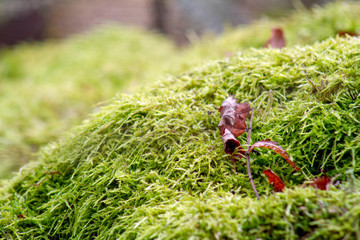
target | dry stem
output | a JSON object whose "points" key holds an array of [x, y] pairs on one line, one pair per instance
{"points": [[248, 157]]}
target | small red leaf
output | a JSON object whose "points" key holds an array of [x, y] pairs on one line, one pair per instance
{"points": [[21, 216], [275, 180], [273, 146], [233, 116], [322, 183], [276, 40]]}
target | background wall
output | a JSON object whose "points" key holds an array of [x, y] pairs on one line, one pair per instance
{"points": [[23, 20]]}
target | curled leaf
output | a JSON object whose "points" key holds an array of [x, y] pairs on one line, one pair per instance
{"points": [[233, 116], [273, 146], [276, 40], [231, 144], [275, 180]]}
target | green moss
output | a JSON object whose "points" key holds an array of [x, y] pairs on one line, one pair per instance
{"points": [[48, 88], [295, 214], [152, 165]]}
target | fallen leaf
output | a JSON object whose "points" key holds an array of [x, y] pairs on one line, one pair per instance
{"points": [[231, 144], [233, 116], [322, 183], [275, 180], [344, 33], [273, 146], [276, 40]]}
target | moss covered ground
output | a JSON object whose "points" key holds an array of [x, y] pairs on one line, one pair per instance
{"points": [[151, 165], [48, 88]]}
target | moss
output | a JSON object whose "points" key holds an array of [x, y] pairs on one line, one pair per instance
{"points": [[42, 98], [49, 88], [295, 214], [152, 165]]}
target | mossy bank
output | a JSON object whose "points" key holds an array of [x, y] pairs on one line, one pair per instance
{"points": [[152, 165], [51, 87], [48, 88]]}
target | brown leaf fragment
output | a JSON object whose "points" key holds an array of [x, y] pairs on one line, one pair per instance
{"points": [[227, 113], [275, 180], [344, 33], [233, 116], [322, 183], [231, 144], [276, 40], [273, 146], [269, 140]]}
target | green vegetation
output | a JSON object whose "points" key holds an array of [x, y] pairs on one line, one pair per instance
{"points": [[301, 28], [152, 165], [49, 88]]}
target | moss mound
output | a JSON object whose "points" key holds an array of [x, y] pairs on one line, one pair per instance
{"points": [[49, 88], [152, 165]]}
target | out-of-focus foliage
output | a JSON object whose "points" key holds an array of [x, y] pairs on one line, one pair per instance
{"points": [[48, 88], [300, 28]]}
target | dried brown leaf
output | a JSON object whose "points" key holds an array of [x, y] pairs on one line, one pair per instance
{"points": [[273, 146], [275, 180], [231, 144], [276, 40], [233, 116], [350, 33], [322, 183]]}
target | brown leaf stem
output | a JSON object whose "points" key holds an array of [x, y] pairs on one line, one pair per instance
{"points": [[248, 157]]}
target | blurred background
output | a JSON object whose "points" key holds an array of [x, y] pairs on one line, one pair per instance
{"points": [[61, 60], [23, 20]]}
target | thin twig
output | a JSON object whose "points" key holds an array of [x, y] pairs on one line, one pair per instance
{"points": [[248, 157], [314, 85]]}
